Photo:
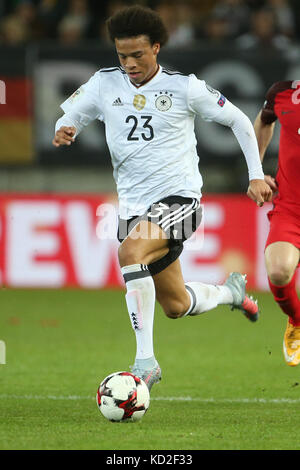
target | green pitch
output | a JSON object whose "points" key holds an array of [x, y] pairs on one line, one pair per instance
{"points": [[225, 384]]}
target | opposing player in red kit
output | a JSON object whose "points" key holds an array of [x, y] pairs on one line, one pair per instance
{"points": [[283, 243]]}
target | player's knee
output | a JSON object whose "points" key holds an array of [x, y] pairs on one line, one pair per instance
{"points": [[280, 275], [174, 308]]}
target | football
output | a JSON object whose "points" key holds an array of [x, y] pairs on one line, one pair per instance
{"points": [[122, 396]]}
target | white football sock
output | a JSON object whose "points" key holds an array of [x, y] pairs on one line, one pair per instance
{"points": [[205, 297], [140, 299]]}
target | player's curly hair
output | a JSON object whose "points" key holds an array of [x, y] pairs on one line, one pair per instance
{"points": [[135, 21]]}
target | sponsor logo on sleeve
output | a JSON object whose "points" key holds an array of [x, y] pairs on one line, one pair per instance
{"points": [[76, 95]]}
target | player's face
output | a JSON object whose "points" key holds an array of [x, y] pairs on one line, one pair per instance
{"points": [[138, 57]]}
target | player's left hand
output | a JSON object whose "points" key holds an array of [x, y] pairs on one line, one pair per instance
{"points": [[259, 191], [271, 182]]}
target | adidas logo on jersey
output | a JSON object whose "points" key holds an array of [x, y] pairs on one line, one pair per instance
{"points": [[117, 102]]}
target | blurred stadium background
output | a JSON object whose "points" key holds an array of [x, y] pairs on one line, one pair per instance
{"points": [[51, 199], [63, 322]]}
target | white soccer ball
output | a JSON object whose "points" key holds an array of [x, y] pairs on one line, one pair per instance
{"points": [[122, 396]]}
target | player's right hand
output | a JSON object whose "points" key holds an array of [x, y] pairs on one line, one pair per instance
{"points": [[259, 191], [64, 136]]}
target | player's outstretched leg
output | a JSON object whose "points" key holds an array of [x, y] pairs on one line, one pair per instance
{"points": [[179, 298], [236, 282], [232, 292]]}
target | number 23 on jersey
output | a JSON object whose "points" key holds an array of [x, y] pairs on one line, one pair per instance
{"points": [[133, 134]]}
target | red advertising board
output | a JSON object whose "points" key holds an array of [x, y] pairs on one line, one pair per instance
{"points": [[70, 241]]}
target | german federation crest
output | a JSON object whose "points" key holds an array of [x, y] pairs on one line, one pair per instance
{"points": [[163, 102]]}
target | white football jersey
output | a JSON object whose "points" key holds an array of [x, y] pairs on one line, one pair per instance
{"points": [[149, 131]]}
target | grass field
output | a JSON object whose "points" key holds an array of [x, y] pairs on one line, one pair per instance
{"points": [[225, 384]]}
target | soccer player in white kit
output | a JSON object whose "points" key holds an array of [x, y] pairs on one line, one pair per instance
{"points": [[149, 115]]}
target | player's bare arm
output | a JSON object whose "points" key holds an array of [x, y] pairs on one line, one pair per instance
{"points": [[261, 191], [64, 136], [264, 133]]}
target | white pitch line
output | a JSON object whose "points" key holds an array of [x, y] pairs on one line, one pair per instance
{"points": [[171, 399]]}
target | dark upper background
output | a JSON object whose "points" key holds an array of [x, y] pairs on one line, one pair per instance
{"points": [[72, 21]]}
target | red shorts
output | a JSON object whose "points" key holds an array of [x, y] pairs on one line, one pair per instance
{"points": [[283, 228]]}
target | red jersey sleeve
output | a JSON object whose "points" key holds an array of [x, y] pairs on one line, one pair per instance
{"points": [[268, 114]]}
